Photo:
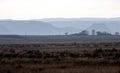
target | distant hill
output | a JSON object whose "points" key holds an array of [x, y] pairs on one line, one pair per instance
{"points": [[83, 23], [29, 27], [99, 27], [58, 26]]}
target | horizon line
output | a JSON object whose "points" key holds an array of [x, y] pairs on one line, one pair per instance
{"points": [[62, 18]]}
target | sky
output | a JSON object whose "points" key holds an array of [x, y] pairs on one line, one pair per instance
{"points": [[38, 9]]}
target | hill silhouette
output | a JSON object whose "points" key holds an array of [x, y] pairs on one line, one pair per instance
{"points": [[29, 27], [83, 23], [99, 27]]}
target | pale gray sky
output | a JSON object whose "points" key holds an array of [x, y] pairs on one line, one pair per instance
{"points": [[37, 9]]}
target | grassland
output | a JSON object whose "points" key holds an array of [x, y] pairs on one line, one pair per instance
{"points": [[60, 58], [37, 39]]}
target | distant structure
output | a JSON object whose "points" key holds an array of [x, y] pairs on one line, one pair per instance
{"points": [[117, 33], [93, 32]]}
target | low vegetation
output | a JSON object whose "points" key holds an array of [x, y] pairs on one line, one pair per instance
{"points": [[60, 58]]}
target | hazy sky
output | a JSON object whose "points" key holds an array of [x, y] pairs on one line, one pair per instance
{"points": [[36, 9]]}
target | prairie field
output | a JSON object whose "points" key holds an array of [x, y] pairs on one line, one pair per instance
{"points": [[60, 58]]}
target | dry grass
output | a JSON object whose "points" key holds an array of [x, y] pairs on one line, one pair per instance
{"points": [[60, 58]]}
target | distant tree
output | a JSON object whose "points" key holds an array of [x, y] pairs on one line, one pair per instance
{"points": [[98, 33], [84, 32], [116, 33], [103, 33], [66, 33], [93, 32]]}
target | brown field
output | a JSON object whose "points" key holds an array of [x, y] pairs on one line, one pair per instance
{"points": [[60, 58]]}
